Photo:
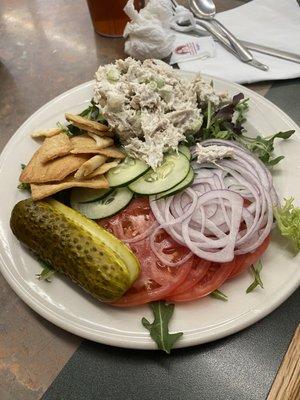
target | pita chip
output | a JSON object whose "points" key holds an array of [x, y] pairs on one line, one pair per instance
{"points": [[46, 133], [54, 147], [111, 152], [37, 171], [101, 141], [103, 169], [88, 125], [83, 144], [41, 191], [89, 166]]}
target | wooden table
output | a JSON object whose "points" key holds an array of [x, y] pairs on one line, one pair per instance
{"points": [[47, 47]]}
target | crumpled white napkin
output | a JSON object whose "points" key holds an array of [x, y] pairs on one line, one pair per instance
{"points": [[148, 33], [267, 22]]}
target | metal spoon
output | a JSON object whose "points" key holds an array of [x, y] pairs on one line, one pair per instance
{"points": [[205, 9]]}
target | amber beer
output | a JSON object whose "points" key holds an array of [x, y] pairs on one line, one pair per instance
{"points": [[108, 16]]}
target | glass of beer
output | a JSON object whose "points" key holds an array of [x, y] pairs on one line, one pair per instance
{"points": [[108, 16]]}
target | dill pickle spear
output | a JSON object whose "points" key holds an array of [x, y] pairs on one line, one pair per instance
{"points": [[77, 247]]}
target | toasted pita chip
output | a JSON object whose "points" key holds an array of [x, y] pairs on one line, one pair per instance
{"points": [[40, 191], [88, 125], [89, 166], [101, 141], [84, 144], [46, 133], [54, 147], [55, 170], [111, 152], [103, 169]]}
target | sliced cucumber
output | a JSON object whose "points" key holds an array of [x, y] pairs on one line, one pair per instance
{"points": [[188, 180], [185, 151], [107, 206], [126, 172], [85, 195], [173, 170]]}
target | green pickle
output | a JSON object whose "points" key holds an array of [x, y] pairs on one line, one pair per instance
{"points": [[77, 247]]}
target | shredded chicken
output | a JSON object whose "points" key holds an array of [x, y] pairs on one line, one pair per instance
{"points": [[212, 153], [150, 106]]}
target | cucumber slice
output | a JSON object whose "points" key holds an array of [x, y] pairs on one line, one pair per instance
{"points": [[107, 206], [85, 195], [188, 180], [173, 170], [185, 151], [126, 172]]}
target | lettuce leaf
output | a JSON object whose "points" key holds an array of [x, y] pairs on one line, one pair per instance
{"points": [[159, 329], [288, 221]]}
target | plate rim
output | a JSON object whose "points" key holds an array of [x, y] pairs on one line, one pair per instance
{"points": [[143, 342]]}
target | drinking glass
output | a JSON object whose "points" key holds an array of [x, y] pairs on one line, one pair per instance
{"points": [[108, 16]]}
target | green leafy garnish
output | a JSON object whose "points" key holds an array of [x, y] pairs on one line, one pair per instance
{"points": [[22, 185], [47, 272], [288, 221], [64, 128], [92, 112], [217, 294], [264, 147], [226, 122], [159, 329], [256, 269]]}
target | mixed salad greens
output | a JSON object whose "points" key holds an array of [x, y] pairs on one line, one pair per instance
{"points": [[168, 176]]}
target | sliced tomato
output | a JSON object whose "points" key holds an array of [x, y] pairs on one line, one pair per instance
{"points": [[244, 261], [132, 222], [156, 280], [189, 281], [216, 275], [199, 269]]}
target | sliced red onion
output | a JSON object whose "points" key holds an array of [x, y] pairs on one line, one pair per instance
{"points": [[228, 209]]}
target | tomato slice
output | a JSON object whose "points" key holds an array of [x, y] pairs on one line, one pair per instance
{"points": [[199, 269], [216, 275], [156, 280], [244, 261], [191, 280], [133, 221]]}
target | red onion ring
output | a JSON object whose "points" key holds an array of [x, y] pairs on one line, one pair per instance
{"points": [[228, 209]]}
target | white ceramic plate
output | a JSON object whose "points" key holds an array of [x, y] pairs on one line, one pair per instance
{"points": [[67, 306]]}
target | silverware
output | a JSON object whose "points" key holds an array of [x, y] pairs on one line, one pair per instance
{"points": [[206, 10], [207, 26], [270, 51], [220, 38]]}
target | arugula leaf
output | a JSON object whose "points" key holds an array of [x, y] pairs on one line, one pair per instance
{"points": [[256, 269], [226, 123], [159, 329], [288, 221], [64, 128], [264, 147], [24, 186], [92, 112], [217, 294], [47, 272]]}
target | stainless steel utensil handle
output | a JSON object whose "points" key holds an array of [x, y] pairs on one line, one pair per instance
{"points": [[285, 55], [215, 32], [242, 51]]}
